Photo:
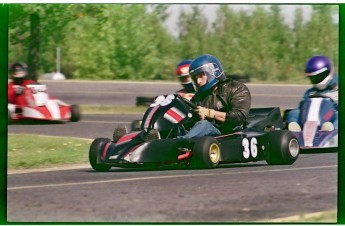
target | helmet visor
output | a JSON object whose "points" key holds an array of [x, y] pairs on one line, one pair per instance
{"points": [[210, 70], [316, 79], [19, 74]]}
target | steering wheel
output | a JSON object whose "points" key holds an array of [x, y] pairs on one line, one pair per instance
{"points": [[190, 103]]}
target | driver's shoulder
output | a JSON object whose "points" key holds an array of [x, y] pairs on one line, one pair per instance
{"points": [[29, 82]]}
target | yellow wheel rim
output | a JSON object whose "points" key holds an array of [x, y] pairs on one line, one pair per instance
{"points": [[214, 153]]}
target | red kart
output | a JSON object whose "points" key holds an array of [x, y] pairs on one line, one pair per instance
{"points": [[42, 107]]}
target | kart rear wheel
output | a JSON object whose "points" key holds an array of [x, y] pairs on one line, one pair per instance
{"points": [[206, 153], [75, 113], [283, 149], [94, 155], [136, 125]]}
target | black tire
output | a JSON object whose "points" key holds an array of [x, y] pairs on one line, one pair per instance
{"points": [[118, 133], [136, 125], [283, 149], [75, 113], [94, 155], [206, 153]]}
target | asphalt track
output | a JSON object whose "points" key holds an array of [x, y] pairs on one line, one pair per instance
{"points": [[230, 193]]}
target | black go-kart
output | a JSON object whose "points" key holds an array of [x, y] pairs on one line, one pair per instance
{"points": [[263, 138]]}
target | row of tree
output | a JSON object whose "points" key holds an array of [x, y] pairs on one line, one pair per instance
{"points": [[130, 41]]}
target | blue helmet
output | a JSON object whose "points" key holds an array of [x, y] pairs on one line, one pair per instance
{"points": [[182, 73], [319, 70], [208, 65]]}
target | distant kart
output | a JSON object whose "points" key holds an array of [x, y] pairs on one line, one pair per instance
{"points": [[42, 107], [314, 112], [262, 139]]}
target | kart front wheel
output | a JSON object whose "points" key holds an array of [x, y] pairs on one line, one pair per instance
{"points": [[75, 113], [206, 153], [283, 149], [94, 155]]}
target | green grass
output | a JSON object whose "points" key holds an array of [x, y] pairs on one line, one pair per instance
{"points": [[329, 216], [35, 151]]}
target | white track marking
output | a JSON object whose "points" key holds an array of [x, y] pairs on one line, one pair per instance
{"points": [[165, 177]]}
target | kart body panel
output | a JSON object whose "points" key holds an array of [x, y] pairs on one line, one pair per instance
{"points": [[41, 107]]}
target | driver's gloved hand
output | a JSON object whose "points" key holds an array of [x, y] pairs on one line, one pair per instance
{"points": [[19, 90], [205, 112]]}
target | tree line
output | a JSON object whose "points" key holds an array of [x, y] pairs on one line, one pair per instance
{"points": [[131, 42]]}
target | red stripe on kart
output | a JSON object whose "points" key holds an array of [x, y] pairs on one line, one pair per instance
{"points": [[64, 110], [44, 111], [328, 115], [127, 137], [184, 156], [105, 150], [230, 134], [174, 114]]}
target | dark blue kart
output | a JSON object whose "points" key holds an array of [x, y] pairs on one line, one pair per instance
{"points": [[315, 111], [263, 138]]}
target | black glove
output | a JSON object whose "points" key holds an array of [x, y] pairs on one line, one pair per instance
{"points": [[19, 90]]}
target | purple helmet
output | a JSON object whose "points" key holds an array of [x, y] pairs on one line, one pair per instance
{"points": [[319, 70]]}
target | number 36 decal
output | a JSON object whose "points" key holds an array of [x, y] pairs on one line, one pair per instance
{"points": [[250, 148], [163, 101]]}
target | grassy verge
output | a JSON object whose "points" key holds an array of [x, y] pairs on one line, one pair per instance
{"points": [[329, 216], [34, 151]]}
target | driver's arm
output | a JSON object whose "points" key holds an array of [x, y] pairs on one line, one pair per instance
{"points": [[220, 116], [239, 100], [211, 113], [11, 94]]}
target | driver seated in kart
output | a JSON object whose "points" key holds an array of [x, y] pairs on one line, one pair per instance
{"points": [[187, 92], [325, 83], [15, 89], [182, 73], [222, 103]]}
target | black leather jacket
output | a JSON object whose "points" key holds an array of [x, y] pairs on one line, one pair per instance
{"points": [[230, 96]]}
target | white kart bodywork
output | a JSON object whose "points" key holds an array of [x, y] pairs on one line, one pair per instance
{"points": [[40, 106]]}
